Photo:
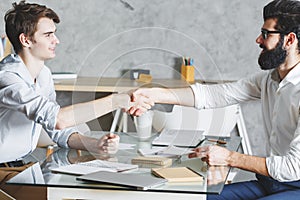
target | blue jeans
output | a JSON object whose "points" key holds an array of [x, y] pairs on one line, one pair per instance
{"points": [[264, 188]]}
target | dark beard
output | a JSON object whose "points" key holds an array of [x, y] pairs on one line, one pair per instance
{"points": [[270, 59]]}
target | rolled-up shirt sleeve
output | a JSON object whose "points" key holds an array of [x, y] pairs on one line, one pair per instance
{"points": [[61, 137], [286, 167], [221, 95]]}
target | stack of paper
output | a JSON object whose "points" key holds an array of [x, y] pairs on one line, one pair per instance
{"points": [[94, 166]]}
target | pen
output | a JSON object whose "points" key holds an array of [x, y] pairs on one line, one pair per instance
{"points": [[183, 61], [187, 60], [218, 141]]}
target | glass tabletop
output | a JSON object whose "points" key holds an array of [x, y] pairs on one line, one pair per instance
{"points": [[40, 174]]}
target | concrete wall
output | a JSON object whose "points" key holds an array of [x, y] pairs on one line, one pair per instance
{"points": [[109, 37]]}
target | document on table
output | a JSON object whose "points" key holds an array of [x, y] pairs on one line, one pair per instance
{"points": [[94, 166], [169, 151], [180, 138]]}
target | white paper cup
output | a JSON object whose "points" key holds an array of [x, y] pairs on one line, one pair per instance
{"points": [[143, 125]]}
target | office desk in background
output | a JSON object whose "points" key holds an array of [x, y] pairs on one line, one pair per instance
{"points": [[63, 186], [107, 84], [94, 84]]}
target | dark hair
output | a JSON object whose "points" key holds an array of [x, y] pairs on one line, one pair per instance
{"points": [[287, 13], [23, 18]]}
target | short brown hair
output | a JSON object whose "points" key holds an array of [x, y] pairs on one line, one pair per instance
{"points": [[23, 18], [287, 13]]}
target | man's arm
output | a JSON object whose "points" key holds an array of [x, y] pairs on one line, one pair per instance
{"points": [[250, 163], [84, 112], [109, 143], [178, 96], [215, 155]]}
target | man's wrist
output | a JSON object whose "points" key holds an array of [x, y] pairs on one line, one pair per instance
{"points": [[233, 158], [120, 101], [156, 93]]}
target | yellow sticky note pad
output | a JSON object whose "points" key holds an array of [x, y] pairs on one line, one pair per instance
{"points": [[145, 78]]}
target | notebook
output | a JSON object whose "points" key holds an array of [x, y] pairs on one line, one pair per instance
{"points": [[159, 161], [178, 174], [181, 138], [134, 180]]}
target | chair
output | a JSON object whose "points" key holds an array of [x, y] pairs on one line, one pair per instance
{"points": [[212, 121]]}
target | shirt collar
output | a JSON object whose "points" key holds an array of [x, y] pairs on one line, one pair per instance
{"points": [[13, 63], [292, 77]]}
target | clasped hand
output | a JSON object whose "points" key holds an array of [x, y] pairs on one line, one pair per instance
{"points": [[141, 102]]}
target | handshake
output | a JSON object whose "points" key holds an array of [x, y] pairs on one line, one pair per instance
{"points": [[135, 102]]}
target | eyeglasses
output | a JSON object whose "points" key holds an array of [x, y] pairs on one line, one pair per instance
{"points": [[265, 33]]}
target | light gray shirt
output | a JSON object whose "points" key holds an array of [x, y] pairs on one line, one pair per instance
{"points": [[25, 108], [280, 109]]}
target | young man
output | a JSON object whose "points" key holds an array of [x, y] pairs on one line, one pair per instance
{"points": [[278, 87], [28, 103]]}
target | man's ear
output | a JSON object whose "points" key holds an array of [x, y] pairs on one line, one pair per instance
{"points": [[291, 39], [24, 40]]}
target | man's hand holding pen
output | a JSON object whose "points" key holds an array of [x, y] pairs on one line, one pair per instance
{"points": [[109, 143], [212, 155]]}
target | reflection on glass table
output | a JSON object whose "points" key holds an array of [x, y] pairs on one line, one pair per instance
{"points": [[40, 174]]}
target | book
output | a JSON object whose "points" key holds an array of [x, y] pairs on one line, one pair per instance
{"points": [[93, 166], [159, 161], [181, 138], [63, 75], [177, 174], [134, 180]]}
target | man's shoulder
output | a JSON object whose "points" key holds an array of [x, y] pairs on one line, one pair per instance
{"points": [[9, 62], [257, 76], [10, 69]]}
